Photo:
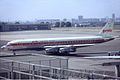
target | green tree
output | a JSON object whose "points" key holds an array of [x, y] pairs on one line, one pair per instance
{"points": [[57, 24], [68, 24], [63, 24]]}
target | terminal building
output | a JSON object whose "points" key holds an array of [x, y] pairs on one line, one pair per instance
{"points": [[20, 27], [94, 22], [48, 21]]}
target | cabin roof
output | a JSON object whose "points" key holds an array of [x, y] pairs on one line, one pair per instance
{"points": [[56, 39]]}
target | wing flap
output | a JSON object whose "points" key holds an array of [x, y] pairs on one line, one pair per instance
{"points": [[103, 57], [76, 46]]}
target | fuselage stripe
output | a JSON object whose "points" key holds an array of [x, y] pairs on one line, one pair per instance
{"points": [[58, 43]]}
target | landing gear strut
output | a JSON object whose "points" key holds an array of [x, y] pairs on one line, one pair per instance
{"points": [[14, 53]]}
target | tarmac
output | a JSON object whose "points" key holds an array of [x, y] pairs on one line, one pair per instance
{"points": [[75, 60]]}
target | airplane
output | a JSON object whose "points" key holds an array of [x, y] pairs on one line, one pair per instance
{"points": [[64, 44]]}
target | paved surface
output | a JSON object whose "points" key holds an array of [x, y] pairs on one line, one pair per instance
{"points": [[75, 59]]}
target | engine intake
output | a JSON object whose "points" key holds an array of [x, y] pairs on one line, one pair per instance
{"points": [[67, 50], [60, 50], [52, 50]]}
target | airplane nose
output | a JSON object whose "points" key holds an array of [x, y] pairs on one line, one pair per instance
{"points": [[109, 39], [3, 47], [112, 38]]}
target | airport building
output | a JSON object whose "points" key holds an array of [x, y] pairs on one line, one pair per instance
{"points": [[48, 21], [46, 24], [94, 22], [20, 27]]}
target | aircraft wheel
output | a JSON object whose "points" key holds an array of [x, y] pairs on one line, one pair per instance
{"points": [[45, 52]]}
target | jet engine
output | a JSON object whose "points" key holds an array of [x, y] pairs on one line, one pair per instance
{"points": [[64, 50], [52, 50], [67, 50]]}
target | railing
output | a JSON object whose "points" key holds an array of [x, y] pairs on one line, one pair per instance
{"points": [[24, 70], [29, 69]]}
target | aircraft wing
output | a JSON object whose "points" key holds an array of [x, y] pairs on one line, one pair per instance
{"points": [[63, 46], [103, 57]]}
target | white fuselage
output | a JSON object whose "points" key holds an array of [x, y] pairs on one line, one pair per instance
{"points": [[41, 43]]}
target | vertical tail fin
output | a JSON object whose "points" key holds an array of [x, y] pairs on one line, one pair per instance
{"points": [[108, 28]]}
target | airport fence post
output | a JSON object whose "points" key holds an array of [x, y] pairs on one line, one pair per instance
{"points": [[67, 67], [0, 64], [92, 76], [12, 64], [60, 69], [40, 68], [19, 75], [117, 70], [33, 72], [88, 77], [50, 69], [30, 71], [8, 74]]}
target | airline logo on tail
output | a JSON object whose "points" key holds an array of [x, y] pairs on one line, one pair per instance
{"points": [[108, 28]]}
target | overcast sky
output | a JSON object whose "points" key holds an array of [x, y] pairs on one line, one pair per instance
{"points": [[11, 10]]}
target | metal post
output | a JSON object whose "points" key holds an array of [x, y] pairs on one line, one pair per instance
{"points": [[12, 64], [30, 71], [60, 69], [67, 67], [92, 76], [14, 53], [40, 68], [19, 75], [50, 69], [8, 74], [117, 70], [67, 63], [33, 72], [9, 71], [0, 64]]}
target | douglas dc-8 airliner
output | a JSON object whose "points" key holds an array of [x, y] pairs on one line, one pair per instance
{"points": [[62, 45]]}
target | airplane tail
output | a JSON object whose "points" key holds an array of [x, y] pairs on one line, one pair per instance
{"points": [[108, 28]]}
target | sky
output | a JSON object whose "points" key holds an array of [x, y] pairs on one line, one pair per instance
{"points": [[29, 10]]}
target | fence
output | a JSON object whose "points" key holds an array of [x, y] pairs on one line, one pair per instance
{"points": [[27, 70]]}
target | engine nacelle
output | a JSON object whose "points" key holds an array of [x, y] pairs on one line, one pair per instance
{"points": [[52, 50], [67, 50], [60, 50]]}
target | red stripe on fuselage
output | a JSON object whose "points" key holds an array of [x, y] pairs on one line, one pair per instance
{"points": [[58, 43]]}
